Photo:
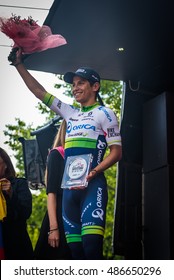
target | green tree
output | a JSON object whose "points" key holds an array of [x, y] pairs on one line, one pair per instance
{"points": [[13, 133], [111, 93]]}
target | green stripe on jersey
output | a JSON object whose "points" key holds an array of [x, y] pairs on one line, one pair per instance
{"points": [[80, 143], [93, 230], [48, 99], [73, 238]]}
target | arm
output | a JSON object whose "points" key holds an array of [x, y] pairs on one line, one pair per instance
{"points": [[113, 157], [33, 85], [38, 90], [53, 237], [109, 124], [55, 167]]}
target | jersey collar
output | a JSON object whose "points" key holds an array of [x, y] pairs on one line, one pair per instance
{"points": [[88, 108]]}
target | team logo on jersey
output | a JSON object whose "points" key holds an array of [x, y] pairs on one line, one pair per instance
{"points": [[86, 208], [112, 133], [59, 104], [87, 119], [85, 126], [69, 127], [80, 114], [101, 145], [74, 120], [90, 114], [68, 222], [106, 113], [98, 213]]}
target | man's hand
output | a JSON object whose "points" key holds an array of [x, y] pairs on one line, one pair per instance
{"points": [[91, 174]]}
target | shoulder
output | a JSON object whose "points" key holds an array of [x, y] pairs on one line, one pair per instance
{"points": [[106, 112], [105, 109], [19, 180], [56, 152], [20, 184], [54, 156]]}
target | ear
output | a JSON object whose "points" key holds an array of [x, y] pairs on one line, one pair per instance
{"points": [[96, 86]]}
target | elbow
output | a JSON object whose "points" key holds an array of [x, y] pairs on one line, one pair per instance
{"points": [[120, 154], [116, 153], [40, 94]]}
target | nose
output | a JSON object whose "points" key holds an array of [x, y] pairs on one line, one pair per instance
{"points": [[75, 87]]}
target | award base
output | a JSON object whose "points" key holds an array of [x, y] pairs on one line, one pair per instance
{"points": [[75, 172]]}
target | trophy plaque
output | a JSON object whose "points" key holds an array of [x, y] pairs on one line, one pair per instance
{"points": [[75, 172]]}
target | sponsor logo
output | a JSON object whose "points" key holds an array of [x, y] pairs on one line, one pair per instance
{"points": [[80, 114], [88, 224], [86, 208], [101, 145], [67, 222], [106, 113], [98, 213], [90, 114], [99, 197], [74, 120], [87, 119], [69, 127], [81, 70], [75, 134], [112, 133], [86, 126], [96, 78], [59, 104], [99, 157]]}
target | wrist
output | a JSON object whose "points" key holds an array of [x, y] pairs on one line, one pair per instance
{"points": [[94, 171], [53, 225], [16, 64], [52, 230]]}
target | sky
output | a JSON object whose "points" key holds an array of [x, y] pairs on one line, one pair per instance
{"points": [[16, 100]]}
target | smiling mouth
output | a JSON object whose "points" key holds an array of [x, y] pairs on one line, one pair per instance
{"points": [[77, 94]]}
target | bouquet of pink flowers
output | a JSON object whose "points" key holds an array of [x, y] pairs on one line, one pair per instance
{"points": [[29, 36]]}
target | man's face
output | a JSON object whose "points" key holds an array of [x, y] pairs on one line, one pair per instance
{"points": [[82, 91]]}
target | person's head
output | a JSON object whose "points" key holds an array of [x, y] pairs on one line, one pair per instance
{"points": [[85, 85], [6, 167]]}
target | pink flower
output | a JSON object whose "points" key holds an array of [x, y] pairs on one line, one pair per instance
{"points": [[29, 36]]}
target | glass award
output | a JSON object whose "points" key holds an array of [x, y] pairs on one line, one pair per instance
{"points": [[75, 172]]}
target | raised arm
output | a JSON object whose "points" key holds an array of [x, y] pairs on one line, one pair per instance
{"points": [[33, 85]]}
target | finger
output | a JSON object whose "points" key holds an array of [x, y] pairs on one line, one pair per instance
{"points": [[54, 243]]}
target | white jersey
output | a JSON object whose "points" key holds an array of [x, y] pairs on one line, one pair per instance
{"points": [[89, 129]]}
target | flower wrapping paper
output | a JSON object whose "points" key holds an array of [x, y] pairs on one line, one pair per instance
{"points": [[29, 36]]}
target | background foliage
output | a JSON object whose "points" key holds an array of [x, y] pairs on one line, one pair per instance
{"points": [[111, 93]]}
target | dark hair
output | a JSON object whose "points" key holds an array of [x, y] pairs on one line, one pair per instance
{"points": [[9, 171], [97, 94]]}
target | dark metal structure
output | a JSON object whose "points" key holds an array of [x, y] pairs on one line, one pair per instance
{"points": [[35, 152], [130, 41]]}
